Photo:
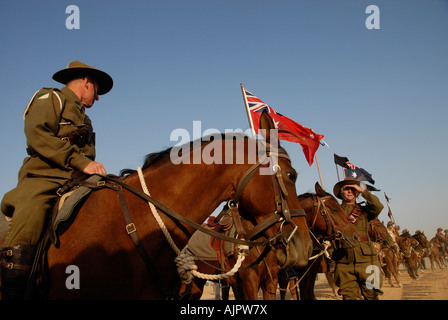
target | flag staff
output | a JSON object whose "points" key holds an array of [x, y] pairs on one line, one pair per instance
{"points": [[247, 111], [318, 169], [337, 171], [388, 207]]}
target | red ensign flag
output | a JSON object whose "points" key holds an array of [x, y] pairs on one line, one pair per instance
{"points": [[289, 130]]}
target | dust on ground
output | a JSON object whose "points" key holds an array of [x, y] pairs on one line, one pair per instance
{"points": [[431, 285]]}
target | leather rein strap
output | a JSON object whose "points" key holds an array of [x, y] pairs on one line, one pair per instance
{"points": [[132, 232], [282, 213], [173, 214]]}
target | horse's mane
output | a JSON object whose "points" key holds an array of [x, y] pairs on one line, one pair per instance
{"points": [[306, 195], [310, 195], [154, 157]]}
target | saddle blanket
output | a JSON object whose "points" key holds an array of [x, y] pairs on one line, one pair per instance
{"points": [[66, 213], [201, 248]]}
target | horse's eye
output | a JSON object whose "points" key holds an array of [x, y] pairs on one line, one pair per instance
{"points": [[292, 176]]}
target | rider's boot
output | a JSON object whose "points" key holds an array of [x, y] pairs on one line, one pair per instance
{"points": [[15, 268]]}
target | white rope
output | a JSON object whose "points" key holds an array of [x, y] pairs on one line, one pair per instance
{"points": [[189, 265], [186, 267], [326, 245], [156, 214]]}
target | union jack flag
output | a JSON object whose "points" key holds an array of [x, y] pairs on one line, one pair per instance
{"points": [[289, 130]]}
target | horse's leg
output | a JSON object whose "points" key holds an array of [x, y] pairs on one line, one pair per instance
{"points": [[270, 289], [283, 283], [394, 269], [250, 285]]}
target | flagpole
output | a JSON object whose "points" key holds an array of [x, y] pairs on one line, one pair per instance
{"points": [[337, 171], [318, 169], [247, 111], [388, 207]]}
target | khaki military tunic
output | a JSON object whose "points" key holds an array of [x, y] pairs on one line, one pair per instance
{"points": [[355, 265], [49, 118]]}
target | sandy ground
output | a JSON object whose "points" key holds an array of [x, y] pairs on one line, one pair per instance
{"points": [[431, 285]]}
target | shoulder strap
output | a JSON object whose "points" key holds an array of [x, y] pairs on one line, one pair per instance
{"points": [[354, 215], [34, 96]]}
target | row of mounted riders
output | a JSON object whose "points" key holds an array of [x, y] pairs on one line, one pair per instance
{"points": [[413, 250], [323, 216]]}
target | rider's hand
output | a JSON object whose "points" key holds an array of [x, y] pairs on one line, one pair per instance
{"points": [[94, 168]]}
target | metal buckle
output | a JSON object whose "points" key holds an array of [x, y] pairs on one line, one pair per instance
{"points": [[130, 228], [101, 183], [293, 231]]}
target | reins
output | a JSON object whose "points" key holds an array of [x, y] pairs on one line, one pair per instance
{"points": [[244, 239], [332, 233]]}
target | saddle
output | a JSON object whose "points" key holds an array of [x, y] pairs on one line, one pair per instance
{"points": [[205, 247], [66, 207], [220, 246], [65, 210]]}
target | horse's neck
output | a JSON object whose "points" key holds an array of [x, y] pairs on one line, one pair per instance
{"points": [[193, 191], [307, 204]]}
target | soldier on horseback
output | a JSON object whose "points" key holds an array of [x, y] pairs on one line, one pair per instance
{"points": [[60, 142], [443, 242]]}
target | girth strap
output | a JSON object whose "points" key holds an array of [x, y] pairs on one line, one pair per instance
{"points": [[132, 232]]}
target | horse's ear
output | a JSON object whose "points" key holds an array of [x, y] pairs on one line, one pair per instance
{"points": [[266, 124], [319, 190]]}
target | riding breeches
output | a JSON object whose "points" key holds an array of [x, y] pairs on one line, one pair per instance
{"points": [[30, 203], [362, 277]]}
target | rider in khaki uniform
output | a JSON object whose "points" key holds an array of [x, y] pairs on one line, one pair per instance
{"points": [[355, 272], [60, 142]]}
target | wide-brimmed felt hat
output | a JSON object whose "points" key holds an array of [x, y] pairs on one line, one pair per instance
{"points": [[338, 186], [77, 69]]}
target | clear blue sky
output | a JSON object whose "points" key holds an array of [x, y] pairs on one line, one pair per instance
{"points": [[379, 96]]}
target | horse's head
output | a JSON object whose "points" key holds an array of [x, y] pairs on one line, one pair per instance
{"points": [[405, 245], [378, 232], [269, 201], [325, 217], [421, 238]]}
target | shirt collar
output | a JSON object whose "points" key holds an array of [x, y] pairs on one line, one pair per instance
{"points": [[72, 96]]}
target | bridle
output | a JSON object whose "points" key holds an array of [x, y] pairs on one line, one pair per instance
{"points": [[282, 214], [380, 236], [405, 245], [331, 234]]}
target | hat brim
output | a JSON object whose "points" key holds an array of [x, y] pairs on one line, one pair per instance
{"points": [[338, 186], [105, 82]]}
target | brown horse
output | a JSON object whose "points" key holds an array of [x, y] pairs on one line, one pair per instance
{"points": [[259, 270], [326, 221], [387, 255], [100, 247], [435, 254], [257, 273], [406, 243], [422, 248]]}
